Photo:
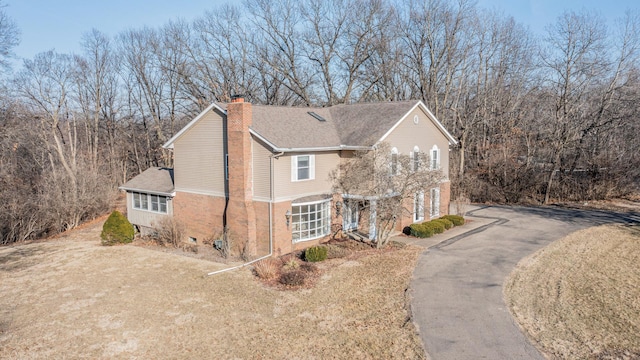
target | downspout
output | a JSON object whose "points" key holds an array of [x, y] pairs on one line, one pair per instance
{"points": [[272, 196]]}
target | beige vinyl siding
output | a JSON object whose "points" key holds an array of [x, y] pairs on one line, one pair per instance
{"points": [[285, 189], [199, 157], [146, 218], [261, 171], [425, 134]]}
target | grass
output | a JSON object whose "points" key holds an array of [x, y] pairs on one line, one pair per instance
{"points": [[579, 297], [72, 298]]}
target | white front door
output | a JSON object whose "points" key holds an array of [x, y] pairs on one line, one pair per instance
{"points": [[350, 216]]}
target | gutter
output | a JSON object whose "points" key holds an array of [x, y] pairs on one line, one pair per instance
{"points": [[146, 191]]}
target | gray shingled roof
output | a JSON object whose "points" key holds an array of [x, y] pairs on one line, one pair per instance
{"points": [[154, 180], [348, 125]]}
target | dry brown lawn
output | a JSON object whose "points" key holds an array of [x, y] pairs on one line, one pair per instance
{"points": [[579, 297], [72, 298]]}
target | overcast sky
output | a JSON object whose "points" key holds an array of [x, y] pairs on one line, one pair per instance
{"points": [[59, 24]]}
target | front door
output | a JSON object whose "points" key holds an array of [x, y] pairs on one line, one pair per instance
{"points": [[350, 217]]}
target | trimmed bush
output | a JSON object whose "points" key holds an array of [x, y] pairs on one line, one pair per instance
{"points": [[117, 230], [457, 220], [293, 278], [435, 226], [315, 253], [421, 231], [448, 224]]}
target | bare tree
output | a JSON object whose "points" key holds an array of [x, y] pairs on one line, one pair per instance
{"points": [[385, 186], [276, 42], [9, 37]]}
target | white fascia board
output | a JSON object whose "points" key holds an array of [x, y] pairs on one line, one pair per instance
{"points": [[431, 117], [169, 144], [170, 194]]}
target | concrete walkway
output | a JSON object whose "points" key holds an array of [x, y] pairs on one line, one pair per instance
{"points": [[457, 300]]}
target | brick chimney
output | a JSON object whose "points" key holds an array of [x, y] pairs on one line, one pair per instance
{"points": [[241, 218]]}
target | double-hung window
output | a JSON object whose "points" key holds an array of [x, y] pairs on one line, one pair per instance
{"points": [[302, 167], [394, 161], [418, 207], [415, 161], [435, 202], [435, 158]]}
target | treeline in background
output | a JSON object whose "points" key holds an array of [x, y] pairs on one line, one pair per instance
{"points": [[539, 118]]}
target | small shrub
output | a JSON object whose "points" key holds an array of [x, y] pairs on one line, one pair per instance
{"points": [[267, 268], [336, 252], [448, 224], [170, 232], [457, 220], [309, 268], [117, 230], [435, 226], [315, 253], [291, 264], [421, 231], [293, 278]]}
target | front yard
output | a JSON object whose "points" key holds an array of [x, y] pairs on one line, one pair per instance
{"points": [[72, 298], [579, 297]]}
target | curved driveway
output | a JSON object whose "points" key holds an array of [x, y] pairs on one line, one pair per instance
{"points": [[457, 299]]}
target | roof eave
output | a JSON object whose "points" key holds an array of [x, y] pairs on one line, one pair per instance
{"points": [[432, 117], [147, 191]]}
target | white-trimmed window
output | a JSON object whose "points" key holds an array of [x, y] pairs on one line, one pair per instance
{"points": [[434, 158], [303, 167], [394, 161], [415, 158], [149, 202], [435, 202], [418, 207], [310, 220]]}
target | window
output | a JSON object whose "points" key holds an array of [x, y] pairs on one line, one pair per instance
{"points": [[310, 220], [149, 202], [302, 167], [435, 157], [418, 207], [415, 158], [435, 202], [394, 161]]}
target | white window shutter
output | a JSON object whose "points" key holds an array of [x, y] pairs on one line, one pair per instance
{"points": [[312, 167], [294, 168]]}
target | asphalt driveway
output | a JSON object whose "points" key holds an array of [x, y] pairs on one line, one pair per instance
{"points": [[457, 285]]}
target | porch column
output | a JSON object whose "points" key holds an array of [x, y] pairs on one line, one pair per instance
{"points": [[372, 220]]}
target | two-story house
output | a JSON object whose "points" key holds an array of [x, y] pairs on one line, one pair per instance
{"points": [[263, 171]]}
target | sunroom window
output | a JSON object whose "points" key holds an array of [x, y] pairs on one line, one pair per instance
{"points": [[149, 202]]}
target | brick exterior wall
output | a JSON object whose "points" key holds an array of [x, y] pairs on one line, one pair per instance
{"points": [[201, 214], [445, 197], [241, 216]]}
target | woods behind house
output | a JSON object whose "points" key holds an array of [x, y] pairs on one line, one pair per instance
{"points": [[538, 118]]}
